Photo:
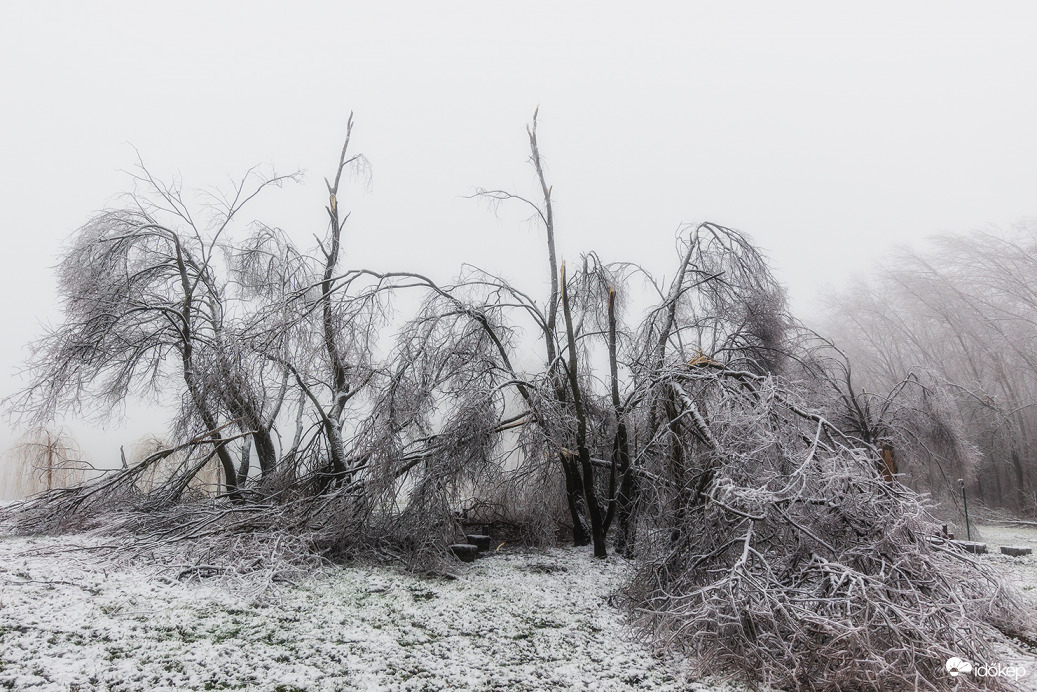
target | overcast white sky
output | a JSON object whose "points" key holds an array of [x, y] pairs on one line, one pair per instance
{"points": [[827, 132]]}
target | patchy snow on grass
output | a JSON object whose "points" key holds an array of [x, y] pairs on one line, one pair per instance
{"points": [[511, 621], [69, 622]]}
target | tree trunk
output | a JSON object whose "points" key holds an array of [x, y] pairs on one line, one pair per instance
{"points": [[266, 452], [593, 509], [573, 489], [621, 498], [583, 451], [243, 467]]}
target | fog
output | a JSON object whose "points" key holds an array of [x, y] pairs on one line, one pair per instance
{"points": [[827, 133]]}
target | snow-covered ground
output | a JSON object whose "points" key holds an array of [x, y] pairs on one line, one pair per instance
{"points": [[511, 621], [1021, 572]]}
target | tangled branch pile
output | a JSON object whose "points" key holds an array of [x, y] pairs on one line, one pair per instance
{"points": [[786, 556]]}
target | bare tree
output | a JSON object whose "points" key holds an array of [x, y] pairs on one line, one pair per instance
{"points": [[144, 308]]}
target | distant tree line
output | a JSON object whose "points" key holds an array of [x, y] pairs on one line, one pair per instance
{"points": [[954, 327]]}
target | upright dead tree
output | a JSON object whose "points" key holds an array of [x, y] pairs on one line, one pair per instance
{"points": [[340, 385], [557, 378], [309, 320]]}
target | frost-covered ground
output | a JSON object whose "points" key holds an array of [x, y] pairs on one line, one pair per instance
{"points": [[511, 621], [1020, 572]]}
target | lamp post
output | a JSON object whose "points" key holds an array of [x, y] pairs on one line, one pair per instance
{"points": [[965, 502]]}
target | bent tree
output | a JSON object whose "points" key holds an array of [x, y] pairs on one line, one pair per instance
{"points": [[162, 301], [147, 313]]}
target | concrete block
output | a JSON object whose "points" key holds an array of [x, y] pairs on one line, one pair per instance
{"points": [[479, 540], [465, 552], [971, 546]]}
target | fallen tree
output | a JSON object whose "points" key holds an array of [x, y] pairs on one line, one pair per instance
{"points": [[782, 553]]}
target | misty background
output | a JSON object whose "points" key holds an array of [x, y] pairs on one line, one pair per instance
{"points": [[829, 134]]}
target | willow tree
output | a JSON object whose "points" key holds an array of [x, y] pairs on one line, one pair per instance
{"points": [[42, 459], [595, 429]]}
